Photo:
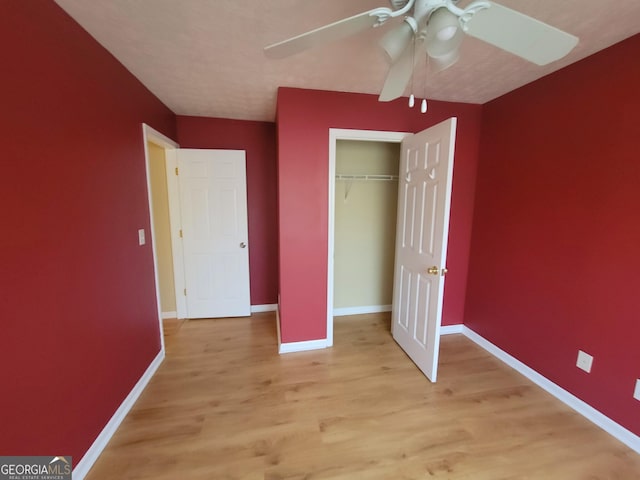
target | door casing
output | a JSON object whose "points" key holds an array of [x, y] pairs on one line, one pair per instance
{"points": [[170, 147], [150, 135]]}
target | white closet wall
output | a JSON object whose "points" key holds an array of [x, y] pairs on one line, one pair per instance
{"points": [[365, 224]]}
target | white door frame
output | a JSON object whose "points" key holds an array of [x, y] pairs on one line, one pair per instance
{"points": [[149, 134], [336, 134]]}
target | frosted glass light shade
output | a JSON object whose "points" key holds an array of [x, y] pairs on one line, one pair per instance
{"points": [[447, 33], [444, 34], [444, 61]]}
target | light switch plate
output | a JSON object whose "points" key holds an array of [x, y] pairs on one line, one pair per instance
{"points": [[636, 392], [141, 239], [585, 361]]}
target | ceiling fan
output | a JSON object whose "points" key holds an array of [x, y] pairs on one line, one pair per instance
{"points": [[438, 27]]}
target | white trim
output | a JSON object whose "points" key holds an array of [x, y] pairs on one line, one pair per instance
{"points": [[278, 323], [99, 444], [271, 307], [451, 329], [340, 312], [166, 315], [615, 429], [302, 346], [154, 136], [336, 134], [175, 224], [151, 135]]}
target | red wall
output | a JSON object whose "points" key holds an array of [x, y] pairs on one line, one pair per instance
{"points": [[304, 119], [259, 140], [554, 260], [78, 304]]}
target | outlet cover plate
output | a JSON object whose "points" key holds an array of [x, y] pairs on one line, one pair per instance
{"points": [[585, 361], [636, 392], [141, 239]]}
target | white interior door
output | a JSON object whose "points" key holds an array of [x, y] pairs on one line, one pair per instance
{"points": [[213, 204], [424, 197]]}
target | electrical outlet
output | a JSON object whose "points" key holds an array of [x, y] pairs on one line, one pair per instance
{"points": [[585, 361], [636, 392], [141, 239]]}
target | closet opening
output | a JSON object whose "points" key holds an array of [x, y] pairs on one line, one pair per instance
{"points": [[363, 197]]}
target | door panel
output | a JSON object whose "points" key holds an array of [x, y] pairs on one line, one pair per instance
{"points": [[213, 204], [426, 167]]}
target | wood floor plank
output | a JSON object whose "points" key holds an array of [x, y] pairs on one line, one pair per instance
{"points": [[224, 405]]}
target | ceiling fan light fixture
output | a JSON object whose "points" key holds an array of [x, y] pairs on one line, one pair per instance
{"points": [[447, 32], [444, 34], [444, 50], [445, 61], [443, 26], [395, 41]]}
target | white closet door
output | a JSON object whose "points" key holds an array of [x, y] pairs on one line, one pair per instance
{"points": [[424, 197]]}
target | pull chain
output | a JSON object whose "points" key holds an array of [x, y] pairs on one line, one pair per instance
{"points": [[412, 100], [423, 105]]}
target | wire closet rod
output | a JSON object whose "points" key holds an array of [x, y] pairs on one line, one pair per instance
{"points": [[366, 177]]}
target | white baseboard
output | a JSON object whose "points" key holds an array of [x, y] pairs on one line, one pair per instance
{"points": [[449, 329], [254, 309], [340, 312], [278, 324], [272, 307], [89, 458], [302, 346], [615, 429]]}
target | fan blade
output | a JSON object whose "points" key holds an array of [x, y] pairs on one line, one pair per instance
{"points": [[398, 76], [520, 34], [328, 33]]}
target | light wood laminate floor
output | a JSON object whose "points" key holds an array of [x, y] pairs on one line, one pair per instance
{"points": [[224, 405]]}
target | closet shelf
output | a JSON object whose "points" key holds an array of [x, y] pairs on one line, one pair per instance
{"points": [[357, 178], [342, 176]]}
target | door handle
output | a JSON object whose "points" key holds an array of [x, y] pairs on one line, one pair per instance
{"points": [[243, 245], [434, 271]]}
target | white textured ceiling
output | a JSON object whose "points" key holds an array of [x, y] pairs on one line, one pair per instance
{"points": [[205, 58]]}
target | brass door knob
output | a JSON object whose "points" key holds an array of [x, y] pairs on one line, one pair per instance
{"points": [[432, 270]]}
